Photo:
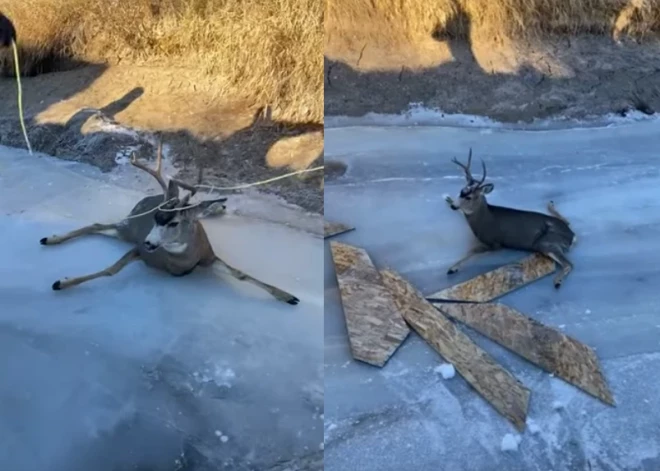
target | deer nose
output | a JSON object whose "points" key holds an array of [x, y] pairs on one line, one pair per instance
{"points": [[149, 246]]}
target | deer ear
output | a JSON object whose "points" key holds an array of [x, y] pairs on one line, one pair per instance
{"points": [[208, 208], [487, 188], [172, 190]]}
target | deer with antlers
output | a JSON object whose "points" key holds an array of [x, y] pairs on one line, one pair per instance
{"points": [[498, 227], [166, 233]]}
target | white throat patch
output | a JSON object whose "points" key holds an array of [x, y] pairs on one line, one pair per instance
{"points": [[467, 212], [175, 247]]}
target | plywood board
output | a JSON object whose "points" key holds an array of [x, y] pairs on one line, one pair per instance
{"points": [[375, 327], [499, 387], [544, 346], [498, 282], [331, 229]]}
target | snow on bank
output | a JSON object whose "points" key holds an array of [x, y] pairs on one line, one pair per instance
{"points": [[418, 115]]}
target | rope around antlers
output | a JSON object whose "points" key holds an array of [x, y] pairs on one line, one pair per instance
{"points": [[17, 69], [226, 188]]}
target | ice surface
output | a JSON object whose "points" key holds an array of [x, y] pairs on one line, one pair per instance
{"points": [[557, 405], [607, 182], [140, 370]]}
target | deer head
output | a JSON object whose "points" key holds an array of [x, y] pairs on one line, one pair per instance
{"points": [[176, 222], [472, 195]]}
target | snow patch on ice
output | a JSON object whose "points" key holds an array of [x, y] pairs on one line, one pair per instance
{"points": [[447, 370], [123, 156], [510, 442], [395, 374], [419, 115], [533, 427]]}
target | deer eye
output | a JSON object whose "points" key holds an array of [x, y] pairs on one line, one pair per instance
{"points": [[173, 224]]}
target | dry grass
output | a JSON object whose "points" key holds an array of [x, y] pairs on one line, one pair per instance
{"points": [[266, 51], [394, 20]]}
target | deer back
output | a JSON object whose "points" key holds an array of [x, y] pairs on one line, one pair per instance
{"points": [[499, 226]]}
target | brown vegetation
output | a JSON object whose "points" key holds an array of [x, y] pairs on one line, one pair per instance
{"points": [[393, 19], [510, 60], [265, 51]]}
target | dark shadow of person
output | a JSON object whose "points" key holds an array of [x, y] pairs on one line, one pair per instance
{"points": [[7, 31]]}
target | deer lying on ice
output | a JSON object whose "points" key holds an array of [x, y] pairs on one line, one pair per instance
{"points": [[499, 227], [168, 238]]}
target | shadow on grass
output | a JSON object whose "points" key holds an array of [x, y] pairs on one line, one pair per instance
{"points": [[606, 78], [93, 135]]}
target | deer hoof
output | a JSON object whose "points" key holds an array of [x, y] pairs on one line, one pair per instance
{"points": [[57, 286], [43, 241], [451, 271], [293, 300], [557, 284]]}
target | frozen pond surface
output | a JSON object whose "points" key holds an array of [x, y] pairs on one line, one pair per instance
{"points": [[606, 181], [144, 370]]}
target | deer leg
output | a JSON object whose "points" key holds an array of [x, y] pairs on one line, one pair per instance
{"points": [[564, 263], [239, 275], [105, 229], [480, 249], [128, 257]]}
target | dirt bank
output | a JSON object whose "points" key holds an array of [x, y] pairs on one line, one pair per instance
{"points": [[98, 114], [559, 77], [502, 59]]}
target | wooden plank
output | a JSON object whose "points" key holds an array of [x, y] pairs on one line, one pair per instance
{"points": [[499, 387], [498, 282], [544, 346], [332, 229], [375, 328]]}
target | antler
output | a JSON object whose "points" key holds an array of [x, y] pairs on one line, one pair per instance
{"points": [[483, 178], [159, 163], [466, 168]]}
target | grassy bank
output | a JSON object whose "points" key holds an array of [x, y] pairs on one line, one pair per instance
{"points": [[265, 51], [411, 19]]}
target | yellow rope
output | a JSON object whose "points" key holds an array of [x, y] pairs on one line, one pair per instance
{"points": [[238, 187], [263, 182], [20, 95]]}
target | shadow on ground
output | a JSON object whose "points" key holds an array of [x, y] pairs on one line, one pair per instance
{"points": [[568, 76], [94, 136], [35, 61]]}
